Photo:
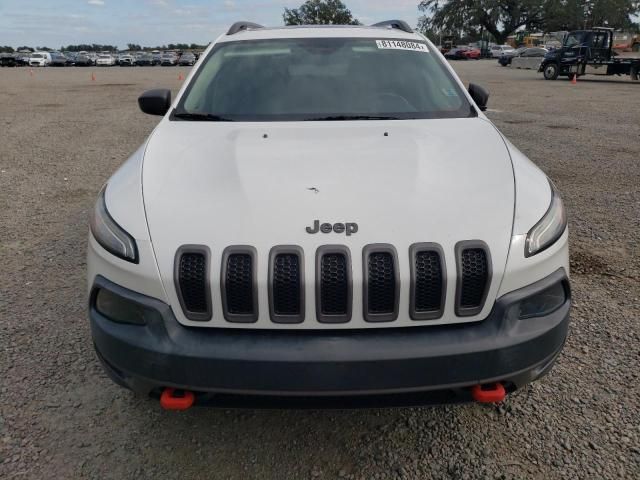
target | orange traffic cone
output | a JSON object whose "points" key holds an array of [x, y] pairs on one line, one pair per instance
{"points": [[574, 79], [180, 77], [93, 77]]}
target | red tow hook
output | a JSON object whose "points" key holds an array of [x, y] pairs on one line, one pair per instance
{"points": [[170, 401], [488, 393]]}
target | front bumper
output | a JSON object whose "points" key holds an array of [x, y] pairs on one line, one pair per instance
{"points": [[387, 362]]}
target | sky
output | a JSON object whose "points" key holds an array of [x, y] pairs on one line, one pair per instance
{"points": [[54, 23]]}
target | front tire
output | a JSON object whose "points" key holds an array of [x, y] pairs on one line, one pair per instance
{"points": [[551, 71], [635, 74]]}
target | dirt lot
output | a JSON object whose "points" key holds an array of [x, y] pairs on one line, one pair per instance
{"points": [[62, 135]]}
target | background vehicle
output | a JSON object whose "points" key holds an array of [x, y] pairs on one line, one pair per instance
{"points": [[187, 58], [589, 52], [506, 58], [40, 59], [22, 59], [472, 53], [58, 60], [169, 59], [499, 50], [7, 60], [530, 58], [83, 60], [447, 44], [126, 60], [457, 53], [105, 60], [71, 57], [145, 60]]}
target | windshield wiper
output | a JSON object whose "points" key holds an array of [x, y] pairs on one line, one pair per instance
{"points": [[350, 117], [200, 117]]}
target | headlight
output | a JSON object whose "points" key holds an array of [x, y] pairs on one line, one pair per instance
{"points": [[549, 229], [110, 235]]}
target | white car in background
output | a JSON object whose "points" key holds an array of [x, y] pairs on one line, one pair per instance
{"points": [[126, 60], [40, 59], [530, 58], [499, 50], [321, 213], [105, 60]]}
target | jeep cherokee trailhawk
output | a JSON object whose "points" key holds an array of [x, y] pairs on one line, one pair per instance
{"points": [[326, 214]]}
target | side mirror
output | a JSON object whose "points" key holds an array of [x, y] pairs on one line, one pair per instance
{"points": [[155, 102], [479, 95]]}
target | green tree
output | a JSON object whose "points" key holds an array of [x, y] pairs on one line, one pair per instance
{"points": [[501, 18], [320, 12], [498, 17], [576, 14]]}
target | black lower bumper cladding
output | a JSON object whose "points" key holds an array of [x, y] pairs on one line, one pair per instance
{"points": [[401, 366]]}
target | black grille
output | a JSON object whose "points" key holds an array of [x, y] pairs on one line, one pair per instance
{"points": [[381, 283], [428, 280], [193, 285], [287, 285], [239, 284], [474, 271], [334, 285]]}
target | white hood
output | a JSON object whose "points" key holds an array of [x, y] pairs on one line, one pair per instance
{"points": [[262, 184]]}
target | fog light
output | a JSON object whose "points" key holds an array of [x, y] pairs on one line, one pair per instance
{"points": [[544, 302], [122, 310]]}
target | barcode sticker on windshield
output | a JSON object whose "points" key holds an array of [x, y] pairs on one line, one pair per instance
{"points": [[402, 45]]}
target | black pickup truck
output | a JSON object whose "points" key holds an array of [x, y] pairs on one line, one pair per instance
{"points": [[589, 52]]}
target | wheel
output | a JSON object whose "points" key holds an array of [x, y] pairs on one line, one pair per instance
{"points": [[635, 74], [551, 71]]}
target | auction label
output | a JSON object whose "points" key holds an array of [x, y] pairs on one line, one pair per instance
{"points": [[402, 45]]}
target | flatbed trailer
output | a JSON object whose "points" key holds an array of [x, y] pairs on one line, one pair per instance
{"points": [[589, 52]]}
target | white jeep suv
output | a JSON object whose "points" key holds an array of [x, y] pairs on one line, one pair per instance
{"points": [[306, 222]]}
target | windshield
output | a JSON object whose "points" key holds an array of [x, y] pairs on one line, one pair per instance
{"points": [[322, 79]]}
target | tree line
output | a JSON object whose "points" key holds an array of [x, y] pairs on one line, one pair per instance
{"points": [[497, 18], [501, 18]]}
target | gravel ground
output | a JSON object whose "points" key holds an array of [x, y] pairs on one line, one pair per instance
{"points": [[62, 135]]}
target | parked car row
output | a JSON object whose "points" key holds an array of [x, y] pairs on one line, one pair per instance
{"points": [[14, 59], [103, 59], [463, 53]]}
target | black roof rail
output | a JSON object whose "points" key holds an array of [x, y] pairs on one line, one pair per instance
{"points": [[399, 24], [240, 26]]}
